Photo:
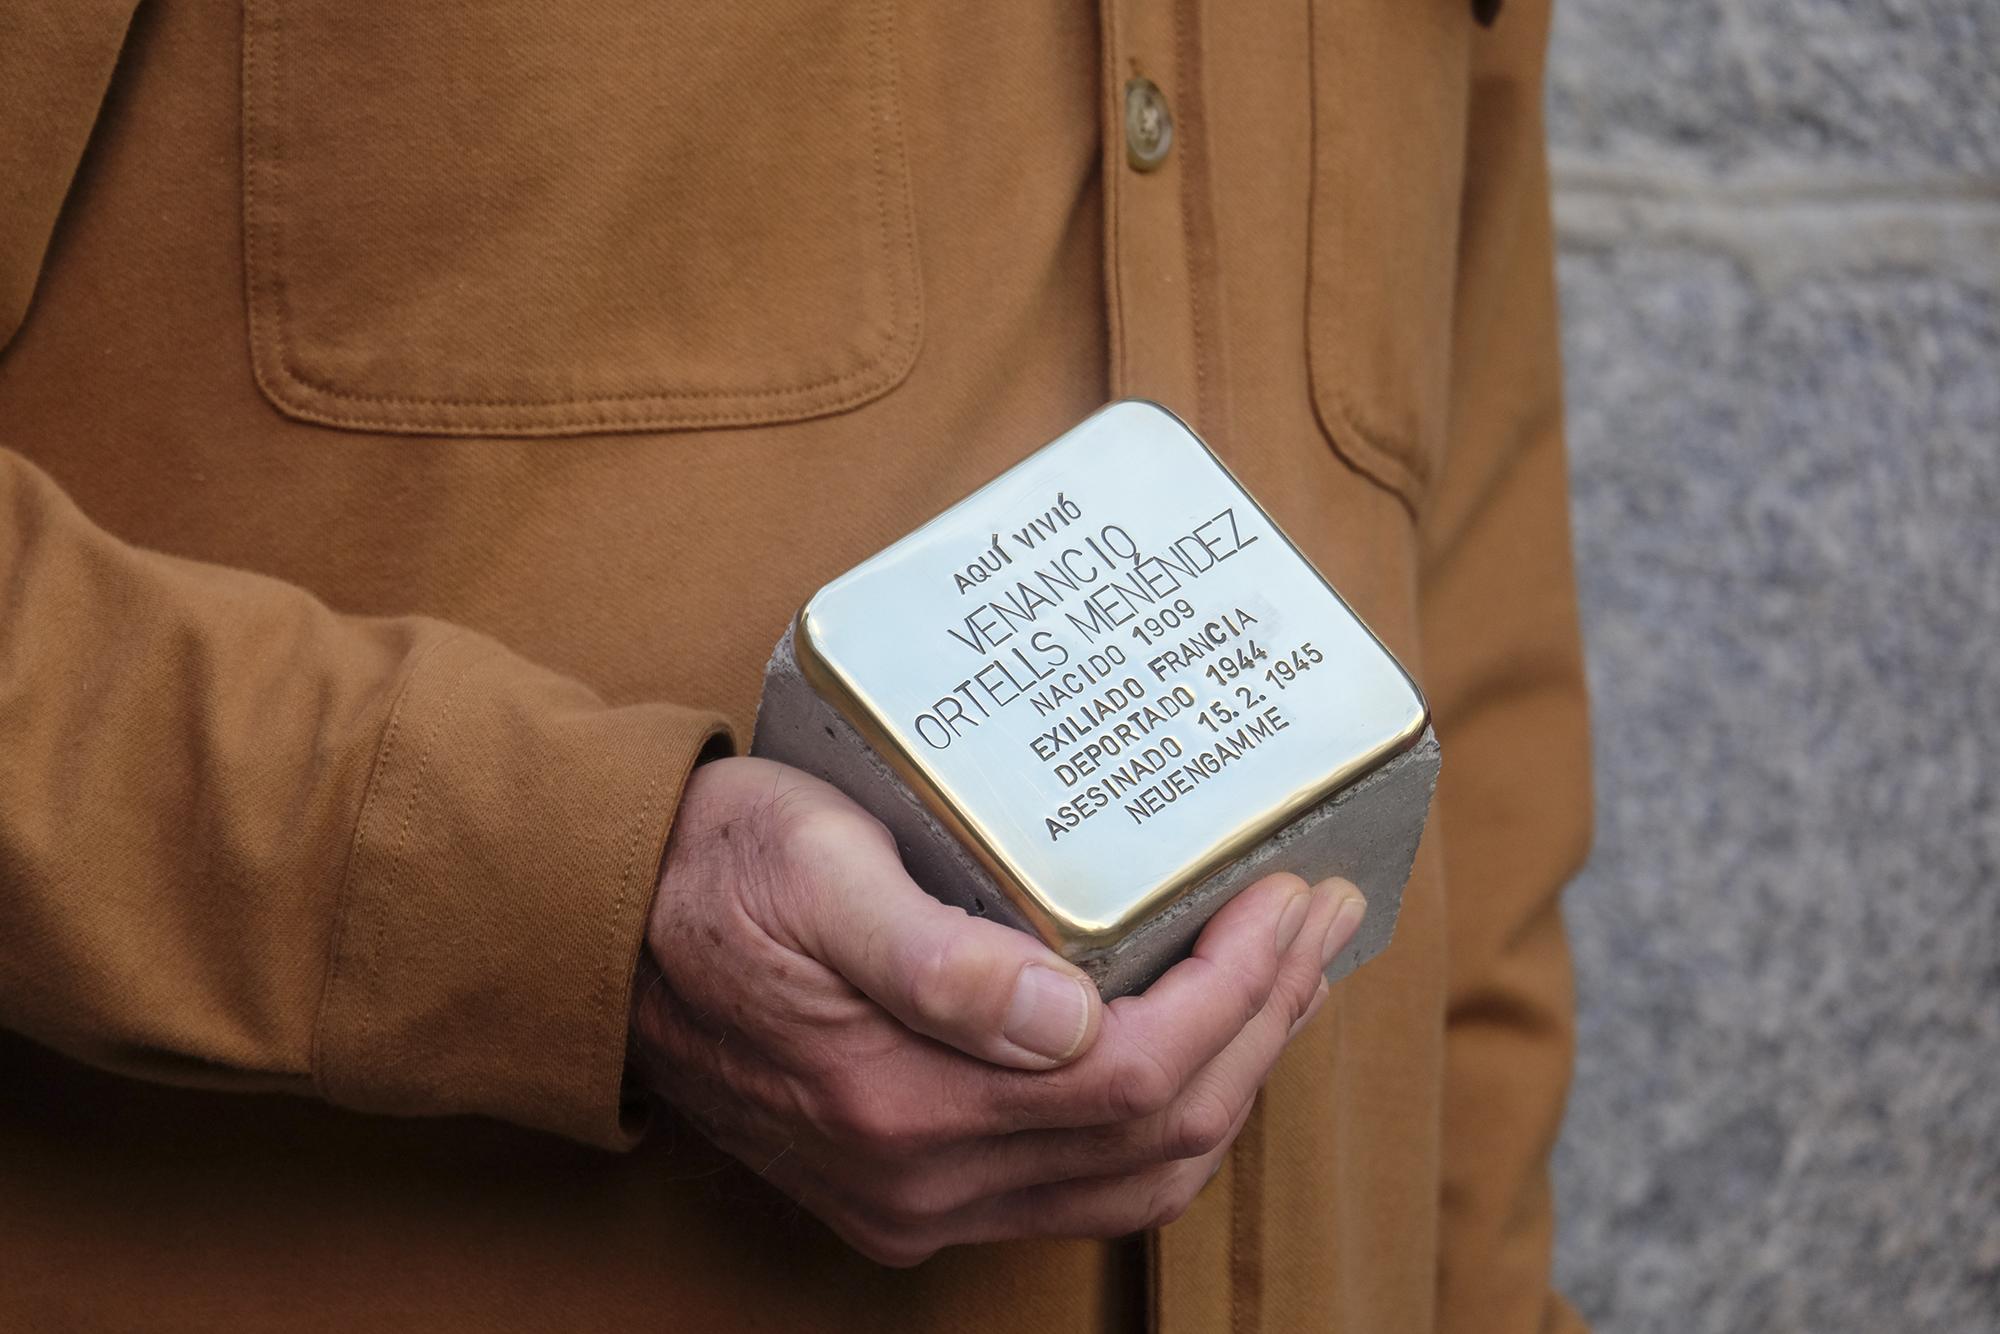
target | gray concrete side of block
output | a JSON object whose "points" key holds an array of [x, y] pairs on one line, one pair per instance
{"points": [[796, 726], [1368, 833]]}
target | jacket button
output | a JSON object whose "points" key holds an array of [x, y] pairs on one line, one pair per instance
{"points": [[1149, 127]]}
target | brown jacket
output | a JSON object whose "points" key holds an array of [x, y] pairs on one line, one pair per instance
{"points": [[419, 421]]}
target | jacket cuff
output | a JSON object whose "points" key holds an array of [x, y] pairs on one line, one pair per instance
{"points": [[496, 895]]}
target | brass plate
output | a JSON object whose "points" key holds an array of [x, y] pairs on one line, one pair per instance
{"points": [[1109, 673]]}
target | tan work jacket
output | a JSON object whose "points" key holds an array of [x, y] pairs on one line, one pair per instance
{"points": [[418, 421]]}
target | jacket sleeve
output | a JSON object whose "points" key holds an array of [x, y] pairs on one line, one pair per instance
{"points": [[248, 843], [1502, 658]]}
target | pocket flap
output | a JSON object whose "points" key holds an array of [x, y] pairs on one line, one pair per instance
{"points": [[522, 218]]}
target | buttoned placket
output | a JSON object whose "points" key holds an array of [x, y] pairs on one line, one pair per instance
{"points": [[1160, 275], [1162, 297]]}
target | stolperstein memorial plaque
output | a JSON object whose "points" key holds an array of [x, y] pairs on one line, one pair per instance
{"points": [[1101, 695]]}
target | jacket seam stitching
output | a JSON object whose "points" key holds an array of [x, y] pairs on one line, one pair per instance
{"points": [[1111, 165], [607, 980], [369, 1022], [345, 896], [1186, 60]]}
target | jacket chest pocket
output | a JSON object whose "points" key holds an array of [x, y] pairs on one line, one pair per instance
{"points": [[525, 218], [1389, 106]]}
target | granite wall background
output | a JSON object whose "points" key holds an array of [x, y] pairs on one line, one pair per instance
{"points": [[1780, 231]]}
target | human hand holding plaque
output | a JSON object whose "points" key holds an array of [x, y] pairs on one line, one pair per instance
{"points": [[919, 1077], [1020, 963]]}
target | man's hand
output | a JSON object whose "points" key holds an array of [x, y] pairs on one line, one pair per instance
{"points": [[918, 1077]]}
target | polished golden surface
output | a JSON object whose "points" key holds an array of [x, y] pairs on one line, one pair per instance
{"points": [[886, 639]]}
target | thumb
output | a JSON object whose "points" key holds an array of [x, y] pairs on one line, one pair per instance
{"points": [[989, 990]]}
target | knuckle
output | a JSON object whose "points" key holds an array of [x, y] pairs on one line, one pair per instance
{"points": [[1249, 990], [936, 967], [853, 1113], [1235, 988], [894, 1119], [1147, 1204], [1304, 994], [1197, 1125], [1142, 1085], [914, 1201], [905, 1256], [812, 832], [890, 1247], [818, 831], [1171, 1197], [1300, 989]]}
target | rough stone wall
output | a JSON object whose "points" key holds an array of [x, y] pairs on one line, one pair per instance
{"points": [[1780, 230]]}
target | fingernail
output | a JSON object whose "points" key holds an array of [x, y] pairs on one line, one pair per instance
{"points": [[1292, 920], [1049, 1014], [1342, 928]]}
